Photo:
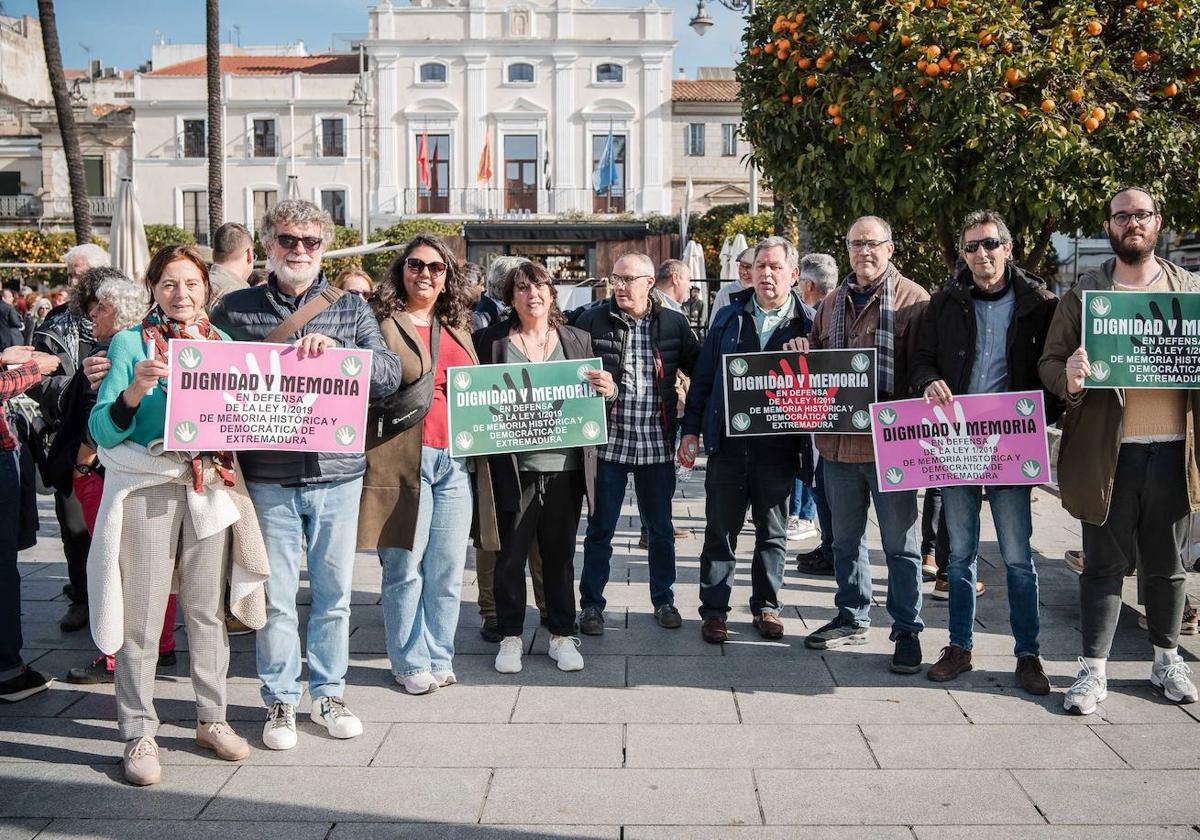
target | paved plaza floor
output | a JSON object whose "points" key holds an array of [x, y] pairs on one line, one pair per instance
{"points": [[661, 736]]}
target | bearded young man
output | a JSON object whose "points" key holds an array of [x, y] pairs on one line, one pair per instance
{"points": [[1126, 467], [307, 502]]}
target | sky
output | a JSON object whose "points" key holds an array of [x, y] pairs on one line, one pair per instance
{"points": [[120, 32]]}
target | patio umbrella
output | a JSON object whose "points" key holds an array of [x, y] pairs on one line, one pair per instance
{"points": [[693, 255], [738, 245], [127, 236], [723, 257]]}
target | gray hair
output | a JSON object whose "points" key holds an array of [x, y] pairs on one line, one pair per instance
{"points": [[821, 270], [296, 211], [793, 256], [82, 295], [644, 259], [746, 257], [669, 270], [984, 217], [128, 300], [499, 270], [883, 223], [90, 253]]}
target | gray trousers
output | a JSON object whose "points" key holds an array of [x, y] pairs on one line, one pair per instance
{"points": [[157, 536], [1147, 524]]}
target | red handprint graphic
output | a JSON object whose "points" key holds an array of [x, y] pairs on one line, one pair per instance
{"points": [[804, 406]]}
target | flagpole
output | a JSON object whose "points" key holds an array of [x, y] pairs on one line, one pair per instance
{"points": [[611, 154]]}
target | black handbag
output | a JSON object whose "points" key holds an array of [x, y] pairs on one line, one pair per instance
{"points": [[405, 408]]}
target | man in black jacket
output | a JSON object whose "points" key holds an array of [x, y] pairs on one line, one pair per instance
{"points": [[642, 344], [984, 333]]}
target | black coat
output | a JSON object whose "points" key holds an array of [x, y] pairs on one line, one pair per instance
{"points": [[671, 337], [946, 342]]}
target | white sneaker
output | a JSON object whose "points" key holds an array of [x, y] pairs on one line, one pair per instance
{"points": [[564, 651], [793, 527], [444, 678], [799, 529], [332, 713], [508, 660], [1089, 689], [422, 683], [279, 732], [1172, 679]]}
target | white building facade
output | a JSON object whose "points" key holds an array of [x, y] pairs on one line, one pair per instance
{"points": [[288, 131], [542, 84]]}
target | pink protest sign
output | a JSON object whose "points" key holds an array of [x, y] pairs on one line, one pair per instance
{"points": [[229, 395], [976, 439]]}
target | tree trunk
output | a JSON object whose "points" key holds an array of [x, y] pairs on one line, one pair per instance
{"points": [[216, 146], [66, 123], [1035, 252], [949, 245]]}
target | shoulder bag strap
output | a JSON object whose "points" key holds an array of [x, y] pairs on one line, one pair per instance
{"points": [[300, 318]]}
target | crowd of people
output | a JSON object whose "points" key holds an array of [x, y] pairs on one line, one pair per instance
{"points": [[229, 532]]}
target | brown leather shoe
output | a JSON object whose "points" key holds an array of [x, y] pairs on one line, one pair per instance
{"points": [[929, 568], [768, 625], [714, 630], [953, 661], [1032, 676]]}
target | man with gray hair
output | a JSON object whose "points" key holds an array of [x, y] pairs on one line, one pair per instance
{"points": [[233, 260], [491, 305], [81, 258], [818, 276], [745, 279], [754, 472], [875, 306], [307, 502], [671, 283]]}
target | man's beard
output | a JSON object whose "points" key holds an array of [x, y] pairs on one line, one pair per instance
{"points": [[290, 276], [1131, 254]]}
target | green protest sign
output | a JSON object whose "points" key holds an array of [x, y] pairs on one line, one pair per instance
{"points": [[524, 407], [1142, 339]]}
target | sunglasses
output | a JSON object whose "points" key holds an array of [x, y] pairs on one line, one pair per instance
{"points": [[988, 244], [288, 241], [358, 293], [416, 266]]}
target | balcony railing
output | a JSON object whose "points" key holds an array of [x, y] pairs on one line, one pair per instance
{"points": [[504, 203], [20, 206], [101, 206]]}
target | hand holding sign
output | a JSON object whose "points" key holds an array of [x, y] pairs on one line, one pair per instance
{"points": [[957, 450], [266, 397], [1078, 369]]}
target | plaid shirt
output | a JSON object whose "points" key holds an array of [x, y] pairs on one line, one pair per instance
{"points": [[13, 382], [635, 432]]}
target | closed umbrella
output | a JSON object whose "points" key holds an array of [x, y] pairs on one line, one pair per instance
{"points": [[738, 245], [127, 237], [693, 255], [723, 256]]}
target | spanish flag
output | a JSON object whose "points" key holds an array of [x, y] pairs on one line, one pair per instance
{"points": [[484, 175]]}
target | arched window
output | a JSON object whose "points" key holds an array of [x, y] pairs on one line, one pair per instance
{"points": [[433, 73], [520, 72], [610, 73]]}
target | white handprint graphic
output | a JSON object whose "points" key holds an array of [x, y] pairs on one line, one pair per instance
{"points": [[1031, 468], [190, 358], [186, 431], [345, 435], [894, 475], [272, 418], [957, 451]]}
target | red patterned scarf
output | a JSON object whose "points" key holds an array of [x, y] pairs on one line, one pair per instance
{"points": [[160, 329]]}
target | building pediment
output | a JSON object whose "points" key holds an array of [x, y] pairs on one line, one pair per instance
{"points": [[431, 106], [521, 108]]}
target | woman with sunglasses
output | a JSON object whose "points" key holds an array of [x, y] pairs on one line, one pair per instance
{"points": [[354, 281], [416, 503], [537, 495]]}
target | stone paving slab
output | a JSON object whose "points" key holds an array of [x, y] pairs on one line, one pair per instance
{"points": [[437, 831], [918, 704], [359, 793], [1111, 797], [893, 797], [21, 829], [990, 746], [151, 829], [614, 797], [792, 832], [751, 746], [500, 745], [1056, 832], [730, 671], [50, 790], [1155, 746], [641, 704]]}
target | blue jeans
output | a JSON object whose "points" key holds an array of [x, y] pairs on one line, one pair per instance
{"points": [[824, 517], [804, 505], [323, 517], [421, 587], [654, 485], [849, 489], [1014, 527]]}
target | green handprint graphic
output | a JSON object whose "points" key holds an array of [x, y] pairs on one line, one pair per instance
{"points": [[1031, 468], [345, 435], [886, 416], [185, 432], [894, 476], [1025, 406]]}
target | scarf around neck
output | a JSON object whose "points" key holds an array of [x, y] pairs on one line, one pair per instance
{"points": [[160, 329], [885, 333]]}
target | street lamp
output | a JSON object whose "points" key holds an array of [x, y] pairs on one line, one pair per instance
{"points": [[701, 23], [361, 99]]}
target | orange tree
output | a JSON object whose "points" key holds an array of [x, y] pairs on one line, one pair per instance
{"points": [[923, 111]]}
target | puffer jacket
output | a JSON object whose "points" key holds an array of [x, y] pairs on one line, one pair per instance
{"points": [[68, 336], [671, 339], [251, 314]]}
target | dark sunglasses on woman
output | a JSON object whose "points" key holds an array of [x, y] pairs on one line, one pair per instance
{"points": [[416, 266]]}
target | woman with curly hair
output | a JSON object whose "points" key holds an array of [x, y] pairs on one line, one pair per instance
{"points": [[416, 503]]}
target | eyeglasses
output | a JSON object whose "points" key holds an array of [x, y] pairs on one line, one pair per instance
{"points": [[1138, 216], [866, 244], [986, 244], [416, 266], [622, 280], [288, 241], [358, 293]]}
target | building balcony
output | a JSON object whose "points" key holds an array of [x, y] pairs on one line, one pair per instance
{"points": [[101, 206], [509, 203], [20, 207]]}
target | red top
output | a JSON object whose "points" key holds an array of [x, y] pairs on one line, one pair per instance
{"points": [[16, 381], [436, 432]]}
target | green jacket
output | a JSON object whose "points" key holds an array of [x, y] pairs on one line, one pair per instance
{"points": [[1093, 424]]}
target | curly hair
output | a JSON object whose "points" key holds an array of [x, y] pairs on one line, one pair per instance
{"points": [[536, 274], [127, 298], [295, 211], [82, 295], [452, 308]]}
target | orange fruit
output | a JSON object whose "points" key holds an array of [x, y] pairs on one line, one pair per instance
{"points": [[945, 64], [838, 120], [1134, 115], [1012, 75], [1171, 89], [873, 26], [783, 44], [905, 41], [1094, 28], [1141, 5], [804, 61], [811, 81], [797, 99], [922, 64], [1091, 124], [933, 51], [1047, 105], [1061, 131], [833, 110], [946, 84], [1075, 95], [932, 70], [1099, 114], [986, 38], [769, 49], [898, 92], [755, 51]]}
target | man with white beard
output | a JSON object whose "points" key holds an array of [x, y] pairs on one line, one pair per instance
{"points": [[307, 502]]}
